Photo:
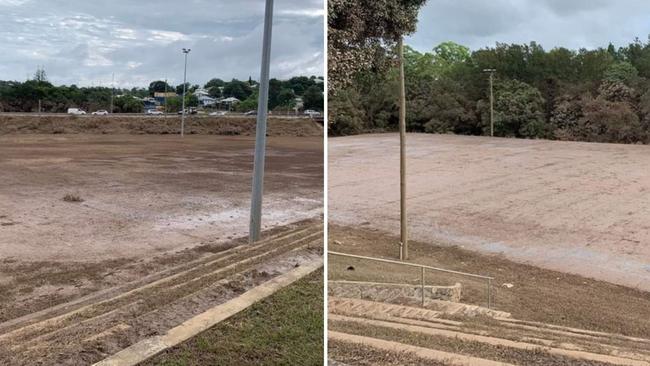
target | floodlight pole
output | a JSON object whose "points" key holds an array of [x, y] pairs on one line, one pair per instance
{"points": [[165, 95], [112, 91], [260, 131], [404, 248], [491, 71], [185, 51]]}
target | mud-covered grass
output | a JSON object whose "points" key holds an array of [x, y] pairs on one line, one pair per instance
{"points": [[284, 329], [354, 354], [464, 347], [28, 287], [537, 294], [116, 124]]}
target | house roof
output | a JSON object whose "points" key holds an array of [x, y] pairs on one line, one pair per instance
{"points": [[230, 100]]}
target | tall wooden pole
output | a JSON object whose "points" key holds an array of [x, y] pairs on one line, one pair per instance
{"points": [[492, 104], [404, 248]]}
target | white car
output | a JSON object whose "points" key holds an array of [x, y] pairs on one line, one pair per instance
{"points": [[312, 113], [218, 113], [101, 112], [76, 111], [154, 112]]}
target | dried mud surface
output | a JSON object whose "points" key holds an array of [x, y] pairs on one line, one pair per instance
{"points": [[144, 195], [573, 207], [139, 124]]}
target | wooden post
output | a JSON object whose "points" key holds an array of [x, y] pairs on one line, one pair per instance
{"points": [[404, 249], [492, 104]]}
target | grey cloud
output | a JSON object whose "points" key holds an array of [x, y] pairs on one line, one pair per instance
{"points": [[552, 23], [84, 42]]}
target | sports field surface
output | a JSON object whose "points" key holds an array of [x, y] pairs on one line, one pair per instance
{"points": [[573, 207]]}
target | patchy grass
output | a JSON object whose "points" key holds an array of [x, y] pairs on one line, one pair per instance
{"points": [[72, 198], [358, 355], [284, 329], [465, 347]]}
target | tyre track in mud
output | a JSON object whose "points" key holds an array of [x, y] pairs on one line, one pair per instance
{"points": [[91, 328]]}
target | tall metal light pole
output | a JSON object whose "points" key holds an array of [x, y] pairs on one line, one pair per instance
{"points": [[185, 51], [165, 95], [260, 131], [404, 247], [112, 91], [491, 71]]}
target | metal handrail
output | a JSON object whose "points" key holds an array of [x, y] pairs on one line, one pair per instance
{"points": [[423, 267]]}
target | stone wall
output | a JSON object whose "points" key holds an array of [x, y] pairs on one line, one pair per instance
{"points": [[393, 293]]}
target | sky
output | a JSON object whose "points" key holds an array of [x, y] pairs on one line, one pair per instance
{"points": [[85, 42], [572, 24]]}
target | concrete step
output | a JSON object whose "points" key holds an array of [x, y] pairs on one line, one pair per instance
{"points": [[569, 342], [420, 352]]}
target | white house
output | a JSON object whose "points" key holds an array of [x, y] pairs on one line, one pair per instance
{"points": [[205, 100], [228, 103]]}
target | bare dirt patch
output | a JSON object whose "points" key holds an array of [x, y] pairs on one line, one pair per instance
{"points": [[581, 208], [144, 195]]}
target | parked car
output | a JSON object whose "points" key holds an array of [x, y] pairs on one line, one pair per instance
{"points": [[312, 113], [218, 113], [101, 112], [154, 112], [188, 111], [76, 111]]}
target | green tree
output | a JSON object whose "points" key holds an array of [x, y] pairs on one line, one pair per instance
{"points": [[447, 55], [179, 88], [621, 72], [440, 108], [128, 104], [159, 86], [313, 98], [215, 82], [238, 89], [361, 31], [518, 110], [345, 116], [248, 104]]}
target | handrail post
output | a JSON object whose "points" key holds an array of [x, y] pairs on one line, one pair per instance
{"points": [[489, 291], [422, 286]]}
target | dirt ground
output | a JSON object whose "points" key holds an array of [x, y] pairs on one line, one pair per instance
{"points": [[144, 195], [143, 207], [157, 125], [117, 305], [535, 293], [580, 208]]}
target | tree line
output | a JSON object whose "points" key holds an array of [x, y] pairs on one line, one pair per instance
{"points": [[26, 96], [600, 95]]}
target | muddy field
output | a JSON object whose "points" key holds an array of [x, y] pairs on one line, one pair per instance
{"points": [[157, 125], [144, 194], [85, 218], [136, 301], [573, 207]]}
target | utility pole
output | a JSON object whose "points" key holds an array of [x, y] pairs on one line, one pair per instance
{"points": [[165, 95], [260, 131], [404, 247], [185, 51], [112, 91], [491, 71]]}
